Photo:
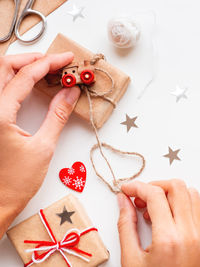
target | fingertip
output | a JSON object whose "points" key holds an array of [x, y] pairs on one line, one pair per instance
{"points": [[125, 186], [69, 56], [73, 95], [130, 188], [68, 95], [69, 53], [59, 60], [139, 203]]}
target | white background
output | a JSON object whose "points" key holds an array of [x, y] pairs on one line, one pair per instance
{"points": [[162, 122]]}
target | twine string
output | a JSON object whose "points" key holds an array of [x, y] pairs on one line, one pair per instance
{"points": [[116, 187], [96, 58], [103, 95], [117, 182]]}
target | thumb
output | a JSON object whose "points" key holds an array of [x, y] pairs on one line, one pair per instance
{"points": [[60, 109], [127, 227]]}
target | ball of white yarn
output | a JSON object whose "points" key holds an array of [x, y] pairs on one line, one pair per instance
{"points": [[123, 32]]}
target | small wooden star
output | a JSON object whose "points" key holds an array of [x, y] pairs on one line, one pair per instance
{"points": [[65, 216], [129, 122], [172, 155], [76, 12]]}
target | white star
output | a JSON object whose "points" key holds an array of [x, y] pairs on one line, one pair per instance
{"points": [[76, 12], [179, 93]]}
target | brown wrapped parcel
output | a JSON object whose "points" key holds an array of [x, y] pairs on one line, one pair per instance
{"points": [[66, 214], [101, 108]]}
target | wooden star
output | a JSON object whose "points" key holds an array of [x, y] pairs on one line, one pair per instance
{"points": [[129, 122], [65, 216], [172, 155]]}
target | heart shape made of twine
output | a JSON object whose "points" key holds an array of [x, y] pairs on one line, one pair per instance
{"points": [[115, 186]]}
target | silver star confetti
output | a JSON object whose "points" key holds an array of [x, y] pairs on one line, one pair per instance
{"points": [[180, 92], [76, 12]]}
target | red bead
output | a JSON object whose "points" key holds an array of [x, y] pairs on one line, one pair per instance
{"points": [[87, 77], [68, 80]]}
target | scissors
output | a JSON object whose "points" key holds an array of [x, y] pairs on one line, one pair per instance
{"points": [[16, 23]]}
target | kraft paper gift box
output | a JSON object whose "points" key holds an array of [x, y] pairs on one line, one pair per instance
{"points": [[102, 109], [66, 214]]}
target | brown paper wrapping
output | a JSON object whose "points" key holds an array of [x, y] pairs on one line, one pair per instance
{"points": [[33, 229], [101, 108], [7, 12]]}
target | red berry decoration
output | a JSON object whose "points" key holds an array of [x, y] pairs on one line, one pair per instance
{"points": [[87, 77], [74, 177], [68, 80]]}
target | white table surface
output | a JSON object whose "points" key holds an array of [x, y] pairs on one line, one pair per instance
{"points": [[162, 122]]}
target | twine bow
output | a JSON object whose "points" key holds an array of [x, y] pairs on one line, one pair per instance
{"points": [[68, 244]]}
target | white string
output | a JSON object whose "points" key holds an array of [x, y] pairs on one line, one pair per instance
{"points": [[75, 254], [56, 248], [65, 258], [40, 249], [154, 55], [42, 260]]}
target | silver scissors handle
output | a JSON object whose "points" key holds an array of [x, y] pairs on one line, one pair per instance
{"points": [[26, 12], [8, 36]]}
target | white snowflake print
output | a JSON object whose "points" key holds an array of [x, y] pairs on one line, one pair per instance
{"points": [[67, 180], [82, 168], [78, 183], [71, 171]]}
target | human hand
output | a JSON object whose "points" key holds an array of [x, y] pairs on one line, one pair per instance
{"points": [[174, 211], [24, 159]]}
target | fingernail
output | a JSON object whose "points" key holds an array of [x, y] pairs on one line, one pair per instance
{"points": [[121, 200], [68, 54], [73, 95]]}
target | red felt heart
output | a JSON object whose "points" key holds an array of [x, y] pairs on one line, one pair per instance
{"points": [[74, 177]]}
